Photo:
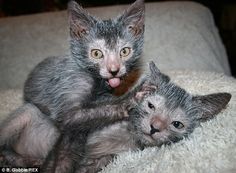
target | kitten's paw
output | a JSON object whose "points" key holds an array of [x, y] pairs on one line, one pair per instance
{"points": [[123, 111]]}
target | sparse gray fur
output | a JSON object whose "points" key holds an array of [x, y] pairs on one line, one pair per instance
{"points": [[159, 112], [103, 52]]}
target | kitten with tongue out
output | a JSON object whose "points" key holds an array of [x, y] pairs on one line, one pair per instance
{"points": [[113, 69], [102, 52], [114, 82], [115, 51]]}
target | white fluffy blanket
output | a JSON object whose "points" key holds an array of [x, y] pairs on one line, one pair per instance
{"points": [[210, 149]]}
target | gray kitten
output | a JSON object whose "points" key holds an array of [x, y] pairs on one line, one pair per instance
{"points": [[103, 52], [159, 112]]}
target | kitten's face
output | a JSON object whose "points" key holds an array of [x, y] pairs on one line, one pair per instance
{"points": [[164, 113], [114, 51], [108, 49], [158, 121], [110, 59]]}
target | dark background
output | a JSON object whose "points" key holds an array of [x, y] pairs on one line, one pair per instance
{"points": [[224, 12]]}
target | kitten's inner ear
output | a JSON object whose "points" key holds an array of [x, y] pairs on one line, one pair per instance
{"points": [[211, 104], [80, 21], [145, 89], [133, 17]]}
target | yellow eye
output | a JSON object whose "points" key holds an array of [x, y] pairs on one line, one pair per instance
{"points": [[125, 52], [96, 54]]}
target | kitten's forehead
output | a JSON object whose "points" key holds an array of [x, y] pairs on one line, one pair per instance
{"points": [[98, 44], [179, 114], [175, 96], [156, 99], [110, 31], [161, 105], [103, 45], [165, 101]]}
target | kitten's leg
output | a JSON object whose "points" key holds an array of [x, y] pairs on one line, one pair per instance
{"points": [[70, 148], [93, 165], [10, 158], [25, 134], [63, 157], [113, 112], [10, 131]]}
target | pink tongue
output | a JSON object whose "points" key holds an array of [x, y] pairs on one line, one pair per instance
{"points": [[114, 82]]}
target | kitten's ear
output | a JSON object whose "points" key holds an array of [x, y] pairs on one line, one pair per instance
{"points": [[145, 89], [133, 17], [211, 104], [149, 84], [156, 76], [154, 70], [80, 21]]}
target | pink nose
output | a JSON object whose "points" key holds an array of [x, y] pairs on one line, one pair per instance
{"points": [[114, 69], [114, 73], [157, 124]]}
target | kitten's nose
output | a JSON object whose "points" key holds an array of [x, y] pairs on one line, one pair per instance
{"points": [[158, 124], [153, 130], [113, 65], [114, 72]]}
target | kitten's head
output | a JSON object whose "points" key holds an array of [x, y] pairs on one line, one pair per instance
{"points": [[165, 113], [108, 49]]}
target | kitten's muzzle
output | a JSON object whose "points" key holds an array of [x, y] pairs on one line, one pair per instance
{"points": [[153, 130], [157, 124], [115, 80], [115, 72], [113, 68]]}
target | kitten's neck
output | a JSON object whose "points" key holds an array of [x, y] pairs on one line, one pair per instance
{"points": [[111, 140]]}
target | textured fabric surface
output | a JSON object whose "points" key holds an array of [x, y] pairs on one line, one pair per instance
{"points": [[9, 100], [209, 149], [178, 35]]}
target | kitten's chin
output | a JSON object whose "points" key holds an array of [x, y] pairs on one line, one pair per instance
{"points": [[150, 141]]}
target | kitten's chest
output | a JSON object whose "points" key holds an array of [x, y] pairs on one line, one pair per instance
{"points": [[101, 91], [110, 140]]}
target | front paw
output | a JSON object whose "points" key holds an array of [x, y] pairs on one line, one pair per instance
{"points": [[122, 111]]}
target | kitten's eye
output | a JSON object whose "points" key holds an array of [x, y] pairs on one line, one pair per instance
{"points": [[125, 52], [177, 124], [96, 54], [151, 106]]}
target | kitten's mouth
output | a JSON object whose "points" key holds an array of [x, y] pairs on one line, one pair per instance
{"points": [[114, 82], [149, 137]]}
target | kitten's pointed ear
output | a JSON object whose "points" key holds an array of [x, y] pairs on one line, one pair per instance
{"points": [[156, 76], [211, 104], [133, 17], [153, 69], [80, 21], [149, 84]]}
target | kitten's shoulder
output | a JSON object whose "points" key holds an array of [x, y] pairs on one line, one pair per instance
{"points": [[56, 64], [114, 138], [54, 60]]}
